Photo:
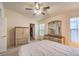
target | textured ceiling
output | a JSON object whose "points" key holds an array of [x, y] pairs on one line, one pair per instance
{"points": [[55, 8]]}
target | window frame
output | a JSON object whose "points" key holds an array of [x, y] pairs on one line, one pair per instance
{"points": [[41, 29], [74, 28]]}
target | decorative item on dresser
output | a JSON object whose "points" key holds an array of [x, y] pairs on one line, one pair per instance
{"points": [[56, 38], [21, 35]]}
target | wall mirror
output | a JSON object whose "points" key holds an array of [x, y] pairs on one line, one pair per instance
{"points": [[54, 27]]}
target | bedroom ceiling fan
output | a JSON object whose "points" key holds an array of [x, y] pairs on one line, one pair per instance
{"points": [[39, 9]]}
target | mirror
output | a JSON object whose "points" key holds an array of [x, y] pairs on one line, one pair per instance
{"points": [[54, 27]]}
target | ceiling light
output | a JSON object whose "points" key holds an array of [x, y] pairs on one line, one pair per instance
{"points": [[37, 12], [39, 9]]}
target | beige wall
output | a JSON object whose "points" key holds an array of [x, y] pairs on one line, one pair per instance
{"points": [[15, 19], [65, 18]]}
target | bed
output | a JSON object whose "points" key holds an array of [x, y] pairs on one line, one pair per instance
{"points": [[47, 48], [43, 48]]}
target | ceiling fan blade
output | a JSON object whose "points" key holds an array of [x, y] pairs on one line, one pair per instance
{"points": [[37, 5], [43, 13], [34, 14], [45, 8], [28, 9]]}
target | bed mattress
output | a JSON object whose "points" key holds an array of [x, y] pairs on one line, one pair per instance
{"points": [[47, 48]]}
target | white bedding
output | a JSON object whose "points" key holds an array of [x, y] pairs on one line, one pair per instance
{"points": [[47, 48]]}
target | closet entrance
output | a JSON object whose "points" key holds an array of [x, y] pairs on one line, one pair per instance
{"points": [[32, 31]]}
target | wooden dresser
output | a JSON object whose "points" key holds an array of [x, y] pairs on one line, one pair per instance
{"points": [[56, 38], [21, 35]]}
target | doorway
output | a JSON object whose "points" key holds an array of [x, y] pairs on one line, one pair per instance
{"points": [[3, 33], [32, 31]]}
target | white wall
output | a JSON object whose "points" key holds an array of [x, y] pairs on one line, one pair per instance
{"points": [[15, 19]]}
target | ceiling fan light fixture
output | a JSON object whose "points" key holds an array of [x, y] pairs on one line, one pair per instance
{"points": [[37, 12], [39, 9]]}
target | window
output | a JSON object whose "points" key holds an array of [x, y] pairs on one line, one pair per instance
{"points": [[41, 29], [74, 26]]}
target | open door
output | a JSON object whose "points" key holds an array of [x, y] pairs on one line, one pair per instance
{"points": [[32, 31], [3, 37], [3, 30]]}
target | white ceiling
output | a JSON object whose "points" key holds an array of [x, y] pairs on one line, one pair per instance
{"points": [[55, 7]]}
